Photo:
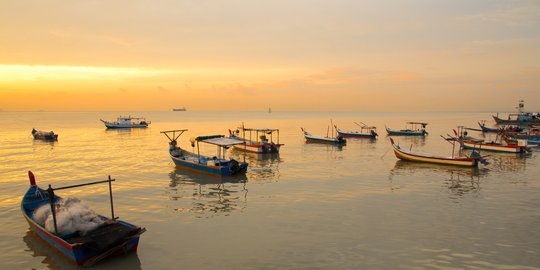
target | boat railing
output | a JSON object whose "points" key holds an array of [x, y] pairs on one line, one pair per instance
{"points": [[51, 190]]}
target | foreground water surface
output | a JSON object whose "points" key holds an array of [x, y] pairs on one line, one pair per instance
{"points": [[310, 207]]}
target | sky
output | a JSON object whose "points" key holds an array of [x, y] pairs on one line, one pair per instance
{"points": [[249, 55]]}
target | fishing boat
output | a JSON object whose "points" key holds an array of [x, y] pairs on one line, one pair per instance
{"points": [[256, 139], [404, 154], [111, 236], [127, 122], [216, 165], [412, 129], [365, 132], [44, 135], [468, 142], [183, 109], [328, 140], [483, 128], [519, 148], [520, 118]]}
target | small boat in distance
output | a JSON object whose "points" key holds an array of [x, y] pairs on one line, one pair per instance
{"points": [[412, 129], [183, 109], [409, 155], [216, 165], [44, 135], [127, 122], [365, 132], [328, 140], [104, 237], [258, 144]]}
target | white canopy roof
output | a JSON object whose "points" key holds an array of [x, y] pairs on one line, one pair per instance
{"points": [[223, 141]]}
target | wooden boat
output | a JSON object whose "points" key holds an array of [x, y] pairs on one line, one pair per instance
{"points": [[519, 148], [499, 129], [44, 135], [467, 142], [112, 237], [409, 155], [127, 122], [412, 129], [260, 143], [365, 132], [183, 109], [327, 140], [216, 165], [519, 118]]}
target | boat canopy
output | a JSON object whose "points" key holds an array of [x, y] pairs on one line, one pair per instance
{"points": [[259, 129], [219, 141], [203, 138]]}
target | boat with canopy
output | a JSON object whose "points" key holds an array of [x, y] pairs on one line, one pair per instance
{"points": [[216, 165], [257, 140], [411, 129], [127, 122]]}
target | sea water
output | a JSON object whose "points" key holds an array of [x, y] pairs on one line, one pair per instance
{"points": [[313, 206]]}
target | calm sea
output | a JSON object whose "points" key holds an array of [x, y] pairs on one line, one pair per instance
{"points": [[311, 207]]}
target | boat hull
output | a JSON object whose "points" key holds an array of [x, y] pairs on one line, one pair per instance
{"points": [[259, 148], [516, 149], [392, 132], [501, 121], [113, 126], [417, 157], [356, 135], [209, 169], [312, 139]]}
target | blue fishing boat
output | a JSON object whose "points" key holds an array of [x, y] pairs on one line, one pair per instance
{"points": [[339, 140], [109, 237], [499, 129], [412, 129], [216, 165], [520, 118], [127, 122], [44, 135]]}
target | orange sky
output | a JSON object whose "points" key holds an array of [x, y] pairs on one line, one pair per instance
{"points": [[241, 55]]}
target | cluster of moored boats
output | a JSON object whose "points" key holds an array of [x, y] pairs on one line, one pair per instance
{"points": [[113, 236]]}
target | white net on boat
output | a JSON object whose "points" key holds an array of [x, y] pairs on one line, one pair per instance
{"points": [[72, 215]]}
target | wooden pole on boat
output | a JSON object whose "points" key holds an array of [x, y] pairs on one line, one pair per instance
{"points": [[327, 129], [110, 195], [198, 153], [53, 208]]}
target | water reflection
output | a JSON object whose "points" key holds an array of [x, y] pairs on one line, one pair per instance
{"points": [[54, 260], [126, 132], [261, 166], [459, 180], [407, 141], [503, 162], [43, 144], [206, 195]]}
